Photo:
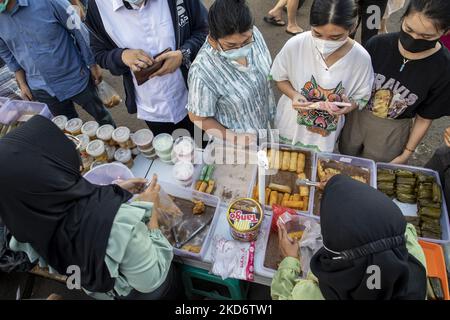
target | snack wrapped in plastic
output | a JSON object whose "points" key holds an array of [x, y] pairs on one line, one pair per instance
{"points": [[108, 95]]}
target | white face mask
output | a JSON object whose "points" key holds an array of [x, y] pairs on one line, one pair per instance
{"points": [[327, 47]]}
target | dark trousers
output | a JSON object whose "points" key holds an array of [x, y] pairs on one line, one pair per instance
{"points": [[88, 99], [364, 18], [440, 162]]}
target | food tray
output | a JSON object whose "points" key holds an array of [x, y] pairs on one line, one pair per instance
{"points": [[213, 202], [368, 167], [14, 109], [411, 209], [280, 177]]}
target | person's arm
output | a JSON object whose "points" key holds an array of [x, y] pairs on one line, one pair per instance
{"points": [[81, 8], [7, 56], [23, 85], [419, 130]]}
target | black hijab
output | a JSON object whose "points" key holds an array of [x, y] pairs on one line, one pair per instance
{"points": [[46, 202], [363, 227]]}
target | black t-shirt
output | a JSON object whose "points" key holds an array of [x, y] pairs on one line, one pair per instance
{"points": [[423, 87]]}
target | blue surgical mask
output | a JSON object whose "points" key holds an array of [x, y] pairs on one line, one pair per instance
{"points": [[236, 54], [3, 6]]}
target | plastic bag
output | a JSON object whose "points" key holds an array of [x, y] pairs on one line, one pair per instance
{"points": [[310, 243], [108, 95], [233, 259], [277, 212], [169, 213]]}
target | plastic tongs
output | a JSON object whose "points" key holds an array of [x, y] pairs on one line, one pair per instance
{"points": [[306, 182]]}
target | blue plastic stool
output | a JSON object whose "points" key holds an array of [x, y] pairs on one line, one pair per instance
{"points": [[198, 282]]}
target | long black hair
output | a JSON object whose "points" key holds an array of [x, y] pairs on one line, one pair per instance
{"points": [[343, 13], [227, 17], [436, 10]]}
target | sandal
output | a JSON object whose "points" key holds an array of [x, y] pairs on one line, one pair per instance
{"points": [[293, 33], [274, 21]]}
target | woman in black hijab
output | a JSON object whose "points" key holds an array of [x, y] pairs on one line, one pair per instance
{"points": [[55, 214], [369, 252]]}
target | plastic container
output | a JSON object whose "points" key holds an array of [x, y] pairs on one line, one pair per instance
{"points": [[310, 170], [411, 209], [121, 135], [97, 150], [245, 217], [60, 121], [163, 144], [183, 172], [84, 139], [90, 128], [183, 149], [187, 194], [14, 109], [124, 156], [106, 174], [104, 133], [143, 139], [86, 162], [73, 126]]}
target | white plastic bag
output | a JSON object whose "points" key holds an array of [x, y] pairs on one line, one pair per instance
{"points": [[169, 213], [310, 243], [108, 95], [233, 259]]}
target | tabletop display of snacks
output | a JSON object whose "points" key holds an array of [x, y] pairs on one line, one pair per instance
{"points": [[205, 183], [410, 187]]}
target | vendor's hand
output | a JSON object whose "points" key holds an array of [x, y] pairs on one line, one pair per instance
{"points": [[299, 102], [151, 194], [133, 186], [403, 158], [447, 137], [172, 60], [136, 60], [96, 74], [288, 247], [25, 92]]}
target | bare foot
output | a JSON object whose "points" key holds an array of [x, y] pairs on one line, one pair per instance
{"points": [[277, 14]]}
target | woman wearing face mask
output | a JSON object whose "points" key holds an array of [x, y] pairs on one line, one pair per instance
{"points": [[412, 81], [229, 85], [361, 227], [323, 75]]}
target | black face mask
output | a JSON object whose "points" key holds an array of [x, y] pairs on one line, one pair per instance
{"points": [[415, 45]]}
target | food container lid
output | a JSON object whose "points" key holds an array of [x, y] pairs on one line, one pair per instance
{"points": [[122, 155], [84, 139], [95, 148], [105, 132], [163, 141], [96, 164], [183, 170], [121, 134], [142, 137], [90, 128], [183, 146], [245, 212], [74, 124], [60, 121]]}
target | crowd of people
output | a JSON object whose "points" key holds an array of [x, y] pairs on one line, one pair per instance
{"points": [[187, 68]]}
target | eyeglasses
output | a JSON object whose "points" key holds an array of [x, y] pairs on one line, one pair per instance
{"points": [[252, 39]]}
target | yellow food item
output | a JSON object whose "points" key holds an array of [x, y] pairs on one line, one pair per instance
{"points": [[255, 193], [267, 195], [286, 197], [280, 188], [359, 178], [277, 160], [199, 207], [273, 199], [296, 197], [304, 191], [301, 161], [203, 186], [286, 161], [291, 198], [293, 204], [280, 198], [210, 188], [198, 184], [305, 203], [270, 158], [293, 164], [191, 248], [296, 235]]}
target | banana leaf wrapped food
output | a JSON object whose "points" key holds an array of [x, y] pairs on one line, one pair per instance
{"points": [[406, 198], [425, 194], [385, 175], [430, 220], [414, 220], [437, 193], [404, 173], [429, 203], [405, 189], [385, 185], [423, 178], [430, 235], [406, 180], [430, 212], [389, 193]]}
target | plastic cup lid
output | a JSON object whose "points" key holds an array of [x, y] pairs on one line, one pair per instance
{"points": [[183, 146], [60, 121], [95, 148], [105, 132], [74, 124], [122, 155], [161, 139], [90, 127], [183, 170], [142, 137], [84, 138], [121, 134]]}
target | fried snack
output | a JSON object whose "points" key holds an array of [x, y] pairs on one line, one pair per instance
{"points": [[302, 176], [199, 207], [198, 184], [268, 191], [286, 197], [210, 188], [305, 203], [286, 161], [301, 162], [191, 248], [273, 199], [203, 186], [280, 188], [429, 203], [296, 197], [385, 175], [304, 191], [280, 198], [430, 212], [360, 179], [277, 160], [255, 192], [293, 204], [293, 164], [296, 235], [406, 198], [405, 189], [114, 101]]}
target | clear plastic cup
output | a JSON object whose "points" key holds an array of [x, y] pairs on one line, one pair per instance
{"points": [[104, 133], [86, 162], [183, 172], [110, 151], [163, 144], [73, 126], [124, 156], [60, 121], [143, 139], [90, 128], [135, 151], [97, 150], [183, 149], [121, 136], [84, 139]]}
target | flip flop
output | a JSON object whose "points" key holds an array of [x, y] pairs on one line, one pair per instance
{"points": [[293, 33], [273, 21]]}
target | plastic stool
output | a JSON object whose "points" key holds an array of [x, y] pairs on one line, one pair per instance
{"points": [[198, 282]]}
